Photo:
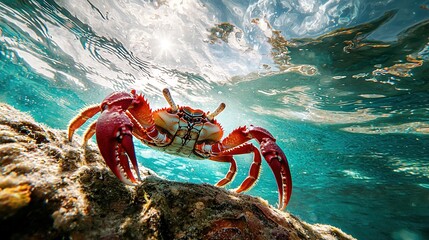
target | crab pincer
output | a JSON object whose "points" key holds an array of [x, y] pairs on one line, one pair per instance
{"points": [[114, 137], [277, 160]]}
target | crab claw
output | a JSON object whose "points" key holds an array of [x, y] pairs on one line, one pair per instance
{"points": [[280, 167], [277, 160], [114, 139]]}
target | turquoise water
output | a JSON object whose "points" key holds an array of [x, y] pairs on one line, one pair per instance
{"points": [[344, 88]]}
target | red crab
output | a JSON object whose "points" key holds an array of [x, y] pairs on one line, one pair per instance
{"points": [[179, 130]]}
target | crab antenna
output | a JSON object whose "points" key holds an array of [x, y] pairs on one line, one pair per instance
{"points": [[169, 99], [218, 110]]}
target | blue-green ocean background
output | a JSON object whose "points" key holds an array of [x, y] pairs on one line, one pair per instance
{"points": [[355, 131]]}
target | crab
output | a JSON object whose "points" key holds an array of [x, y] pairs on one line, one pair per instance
{"points": [[178, 130]]}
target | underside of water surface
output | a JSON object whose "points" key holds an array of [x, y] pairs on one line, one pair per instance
{"points": [[342, 85]]}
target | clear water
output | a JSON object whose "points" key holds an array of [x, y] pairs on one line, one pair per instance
{"points": [[353, 123]]}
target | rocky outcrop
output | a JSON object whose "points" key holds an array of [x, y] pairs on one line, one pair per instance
{"points": [[53, 189]]}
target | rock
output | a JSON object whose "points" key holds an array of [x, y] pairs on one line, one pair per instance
{"points": [[51, 188]]}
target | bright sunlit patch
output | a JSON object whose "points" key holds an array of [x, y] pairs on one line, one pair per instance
{"points": [[165, 44]]}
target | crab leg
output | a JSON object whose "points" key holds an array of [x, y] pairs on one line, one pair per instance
{"points": [[89, 133], [232, 169], [79, 120], [254, 168]]}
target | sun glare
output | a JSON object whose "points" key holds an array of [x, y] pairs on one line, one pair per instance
{"points": [[165, 47], [165, 44]]}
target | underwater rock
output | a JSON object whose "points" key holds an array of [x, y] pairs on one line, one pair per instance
{"points": [[51, 188]]}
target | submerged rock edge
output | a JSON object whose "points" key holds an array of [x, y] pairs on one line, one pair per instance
{"points": [[52, 188]]}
